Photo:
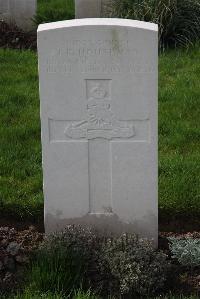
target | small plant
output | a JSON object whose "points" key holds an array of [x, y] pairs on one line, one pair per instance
{"points": [[132, 266], [107, 265], [84, 295], [61, 263], [186, 251]]}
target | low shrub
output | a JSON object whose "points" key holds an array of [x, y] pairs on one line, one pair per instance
{"points": [[106, 265], [178, 20], [186, 251], [132, 267]]}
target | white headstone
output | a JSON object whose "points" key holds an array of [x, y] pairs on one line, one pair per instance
{"points": [[18, 12], [98, 90], [89, 8]]}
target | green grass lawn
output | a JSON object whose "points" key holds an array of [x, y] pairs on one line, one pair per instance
{"points": [[20, 150], [179, 135]]}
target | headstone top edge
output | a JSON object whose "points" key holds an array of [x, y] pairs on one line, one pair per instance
{"points": [[98, 22]]}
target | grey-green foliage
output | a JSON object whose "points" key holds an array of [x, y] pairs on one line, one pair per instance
{"points": [[134, 266], [178, 20], [186, 251]]}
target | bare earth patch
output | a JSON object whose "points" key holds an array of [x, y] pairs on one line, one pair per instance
{"points": [[17, 245], [15, 250]]}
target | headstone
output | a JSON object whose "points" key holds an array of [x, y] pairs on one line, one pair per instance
{"points": [[18, 12], [90, 8], [98, 91]]}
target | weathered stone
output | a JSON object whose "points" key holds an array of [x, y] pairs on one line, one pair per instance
{"points": [[13, 248], [90, 8], [18, 12], [4, 243], [98, 90]]}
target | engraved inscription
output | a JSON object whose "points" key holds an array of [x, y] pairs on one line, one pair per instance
{"points": [[98, 89], [85, 56], [108, 47], [57, 130], [101, 121]]}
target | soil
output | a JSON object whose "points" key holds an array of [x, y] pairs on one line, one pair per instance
{"points": [[18, 244], [21, 225], [179, 224], [16, 248]]}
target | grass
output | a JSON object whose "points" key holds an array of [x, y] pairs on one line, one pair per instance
{"points": [[54, 10], [20, 149], [179, 22], [57, 268], [179, 134], [79, 295]]}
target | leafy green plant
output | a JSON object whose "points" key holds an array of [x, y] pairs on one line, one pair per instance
{"points": [[186, 251], [178, 20], [54, 10]]}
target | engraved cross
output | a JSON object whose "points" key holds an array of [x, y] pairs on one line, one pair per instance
{"points": [[99, 129]]}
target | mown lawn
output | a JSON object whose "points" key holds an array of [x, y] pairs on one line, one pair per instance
{"points": [[179, 135], [20, 150]]}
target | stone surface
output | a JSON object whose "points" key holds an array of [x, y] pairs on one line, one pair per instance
{"points": [[90, 8], [13, 248], [19, 12], [98, 90]]}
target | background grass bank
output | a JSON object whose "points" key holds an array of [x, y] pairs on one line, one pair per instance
{"points": [[54, 10], [179, 134], [20, 150]]}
